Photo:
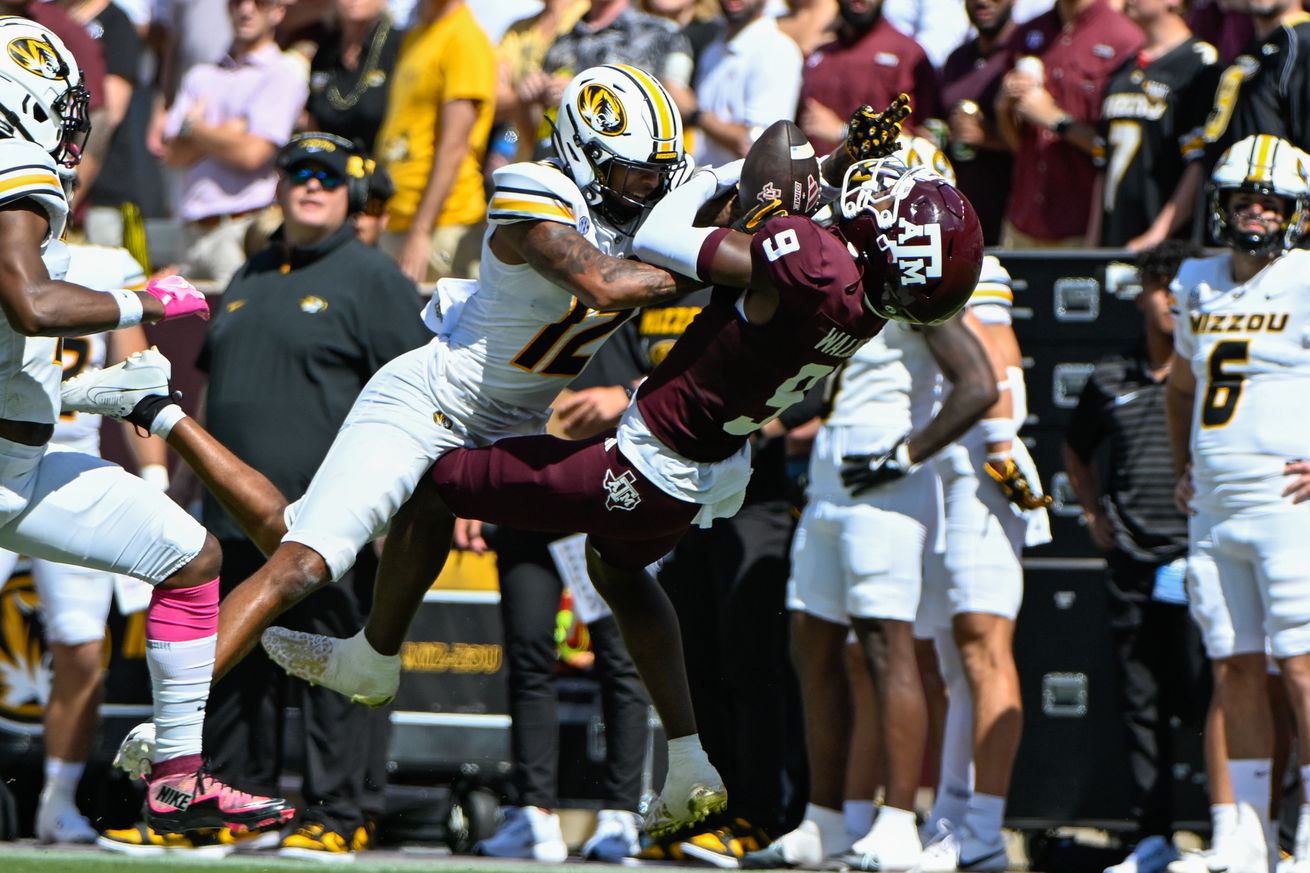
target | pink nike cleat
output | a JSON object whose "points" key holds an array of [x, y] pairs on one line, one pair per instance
{"points": [[184, 796]]}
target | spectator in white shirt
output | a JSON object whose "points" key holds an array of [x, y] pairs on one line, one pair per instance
{"points": [[746, 79]]}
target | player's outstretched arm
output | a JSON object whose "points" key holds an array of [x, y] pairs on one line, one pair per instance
{"points": [[36, 305], [965, 364], [604, 283]]}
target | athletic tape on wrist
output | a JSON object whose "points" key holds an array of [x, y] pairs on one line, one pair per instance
{"points": [[998, 430], [165, 421], [130, 309]]}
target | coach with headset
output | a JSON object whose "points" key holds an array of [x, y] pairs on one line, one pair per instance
{"points": [[303, 325]]}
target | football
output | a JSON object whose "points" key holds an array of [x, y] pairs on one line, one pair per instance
{"points": [[781, 165]]}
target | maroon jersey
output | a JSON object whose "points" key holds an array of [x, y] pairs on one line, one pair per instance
{"points": [[725, 377]]}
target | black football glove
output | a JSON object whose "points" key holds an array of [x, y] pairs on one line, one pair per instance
{"points": [[874, 134], [1015, 486], [758, 214], [144, 413], [860, 473]]}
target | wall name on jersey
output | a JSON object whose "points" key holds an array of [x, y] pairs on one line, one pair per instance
{"points": [[1144, 106], [667, 319], [839, 344], [1238, 322]]}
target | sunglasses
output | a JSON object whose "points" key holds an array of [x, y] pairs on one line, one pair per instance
{"points": [[328, 180]]}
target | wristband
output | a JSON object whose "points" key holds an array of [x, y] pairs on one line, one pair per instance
{"points": [[692, 118], [1062, 124], [130, 309], [165, 420], [902, 456], [998, 430]]}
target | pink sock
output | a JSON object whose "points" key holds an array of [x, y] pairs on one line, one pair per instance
{"points": [[178, 615]]}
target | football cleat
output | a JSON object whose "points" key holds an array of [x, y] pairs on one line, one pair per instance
{"points": [[725, 846], [960, 849], [190, 801], [696, 803], [802, 847], [134, 753], [350, 667], [115, 391], [1151, 855], [313, 840], [142, 840]]}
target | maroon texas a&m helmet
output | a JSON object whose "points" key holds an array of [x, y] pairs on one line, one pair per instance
{"points": [[916, 237]]}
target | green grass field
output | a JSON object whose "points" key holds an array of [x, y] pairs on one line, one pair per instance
{"points": [[29, 858]]}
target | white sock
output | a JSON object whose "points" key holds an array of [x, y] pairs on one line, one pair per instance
{"points": [[180, 674], [894, 823], [688, 764], [956, 781], [857, 815], [1223, 820], [1302, 851], [1251, 782], [61, 778], [985, 815], [831, 825]]}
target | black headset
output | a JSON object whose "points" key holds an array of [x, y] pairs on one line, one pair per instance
{"points": [[358, 167]]}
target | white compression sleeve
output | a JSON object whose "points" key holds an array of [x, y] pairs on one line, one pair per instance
{"points": [[667, 238]]}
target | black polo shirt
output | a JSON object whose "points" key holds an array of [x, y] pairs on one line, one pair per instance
{"points": [[1122, 405], [293, 341]]}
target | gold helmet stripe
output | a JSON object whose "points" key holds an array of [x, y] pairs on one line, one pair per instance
{"points": [[1261, 169], [661, 108]]}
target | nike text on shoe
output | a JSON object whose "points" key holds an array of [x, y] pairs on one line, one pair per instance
{"points": [[699, 802], [115, 391], [188, 801], [348, 667]]}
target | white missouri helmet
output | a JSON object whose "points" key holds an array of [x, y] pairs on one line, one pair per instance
{"points": [[42, 99], [615, 117], [1267, 165]]}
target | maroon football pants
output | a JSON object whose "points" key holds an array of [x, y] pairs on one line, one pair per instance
{"points": [[543, 483]]}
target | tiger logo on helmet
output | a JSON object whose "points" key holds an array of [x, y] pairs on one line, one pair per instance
{"points": [[42, 99], [616, 123]]}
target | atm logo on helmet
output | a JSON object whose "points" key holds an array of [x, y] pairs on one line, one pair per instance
{"points": [[602, 110], [38, 57], [919, 260]]}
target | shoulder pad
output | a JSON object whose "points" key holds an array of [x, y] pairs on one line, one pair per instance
{"points": [[535, 192], [28, 171], [797, 253], [993, 297]]}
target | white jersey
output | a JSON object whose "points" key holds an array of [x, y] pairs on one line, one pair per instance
{"points": [[102, 268], [1249, 348], [29, 366], [887, 389], [518, 338]]}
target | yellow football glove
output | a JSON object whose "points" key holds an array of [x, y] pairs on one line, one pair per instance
{"points": [[873, 134], [1014, 485], [758, 214]]}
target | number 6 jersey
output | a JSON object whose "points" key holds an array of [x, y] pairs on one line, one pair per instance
{"points": [[1248, 346]]}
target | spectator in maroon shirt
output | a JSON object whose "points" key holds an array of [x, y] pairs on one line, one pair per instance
{"points": [[1048, 108], [1224, 24], [869, 62], [971, 79]]}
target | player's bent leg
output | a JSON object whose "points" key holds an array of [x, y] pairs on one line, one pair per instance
{"points": [[692, 788], [366, 667]]}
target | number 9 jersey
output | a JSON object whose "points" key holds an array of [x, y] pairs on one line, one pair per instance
{"points": [[1248, 346]]}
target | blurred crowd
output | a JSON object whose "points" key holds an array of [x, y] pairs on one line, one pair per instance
{"points": [[1086, 122]]}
